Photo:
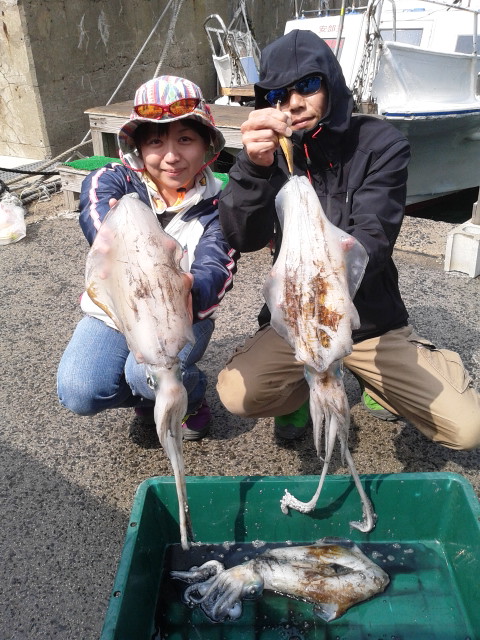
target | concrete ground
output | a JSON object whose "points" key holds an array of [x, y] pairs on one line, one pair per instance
{"points": [[67, 482]]}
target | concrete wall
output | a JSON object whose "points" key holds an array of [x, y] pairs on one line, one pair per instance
{"points": [[60, 57]]}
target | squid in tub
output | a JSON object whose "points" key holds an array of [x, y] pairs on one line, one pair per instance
{"points": [[139, 283], [333, 574]]}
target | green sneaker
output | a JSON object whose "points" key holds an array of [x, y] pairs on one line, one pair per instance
{"points": [[293, 425], [376, 409]]}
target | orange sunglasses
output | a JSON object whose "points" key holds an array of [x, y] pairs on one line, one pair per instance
{"points": [[177, 108]]}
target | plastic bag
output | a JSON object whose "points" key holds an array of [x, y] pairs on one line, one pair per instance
{"points": [[12, 219]]}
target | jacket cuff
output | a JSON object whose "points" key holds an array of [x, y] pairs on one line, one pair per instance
{"points": [[255, 170]]}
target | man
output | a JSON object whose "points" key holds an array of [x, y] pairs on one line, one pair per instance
{"points": [[358, 167]]}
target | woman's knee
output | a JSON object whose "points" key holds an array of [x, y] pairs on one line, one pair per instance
{"points": [[77, 398], [86, 394]]}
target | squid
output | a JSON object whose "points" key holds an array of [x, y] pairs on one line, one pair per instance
{"points": [[133, 273], [309, 292], [333, 574]]}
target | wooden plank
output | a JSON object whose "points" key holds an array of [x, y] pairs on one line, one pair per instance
{"points": [[72, 178], [239, 91], [118, 109], [110, 118], [71, 185], [106, 123], [97, 142], [229, 117]]}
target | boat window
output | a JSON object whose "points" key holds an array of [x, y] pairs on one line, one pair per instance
{"points": [[408, 36], [465, 44]]}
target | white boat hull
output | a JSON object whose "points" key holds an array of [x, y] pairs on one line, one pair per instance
{"points": [[431, 95], [445, 154]]}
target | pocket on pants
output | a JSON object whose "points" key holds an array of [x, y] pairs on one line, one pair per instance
{"points": [[446, 363]]}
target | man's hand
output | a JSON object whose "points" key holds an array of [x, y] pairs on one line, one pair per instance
{"points": [[261, 131]]}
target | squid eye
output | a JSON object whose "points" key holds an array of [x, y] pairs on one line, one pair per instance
{"points": [[253, 589]]}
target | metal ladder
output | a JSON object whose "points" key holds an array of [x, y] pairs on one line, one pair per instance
{"points": [[232, 47]]}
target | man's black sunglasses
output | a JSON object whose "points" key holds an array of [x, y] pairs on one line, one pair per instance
{"points": [[305, 87]]}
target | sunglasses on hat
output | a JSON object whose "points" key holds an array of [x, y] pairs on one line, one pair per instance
{"points": [[177, 108], [305, 87]]}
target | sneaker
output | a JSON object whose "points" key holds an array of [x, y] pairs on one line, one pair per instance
{"points": [[196, 425], [375, 409], [293, 425], [145, 415]]}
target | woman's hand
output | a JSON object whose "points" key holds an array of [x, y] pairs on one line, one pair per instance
{"points": [[103, 244], [260, 134]]}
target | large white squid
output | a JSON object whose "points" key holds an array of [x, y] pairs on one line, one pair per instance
{"points": [[309, 293], [133, 273], [333, 574]]}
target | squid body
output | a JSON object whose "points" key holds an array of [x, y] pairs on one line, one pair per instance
{"points": [[133, 273], [333, 574], [309, 293]]}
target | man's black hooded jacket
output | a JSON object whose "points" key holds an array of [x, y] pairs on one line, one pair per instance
{"points": [[357, 165]]}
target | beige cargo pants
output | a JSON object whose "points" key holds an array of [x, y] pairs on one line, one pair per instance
{"points": [[400, 370]]}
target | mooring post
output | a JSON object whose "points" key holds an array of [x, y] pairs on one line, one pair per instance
{"points": [[476, 210]]}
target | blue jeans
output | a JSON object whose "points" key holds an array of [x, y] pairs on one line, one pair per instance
{"points": [[98, 372]]}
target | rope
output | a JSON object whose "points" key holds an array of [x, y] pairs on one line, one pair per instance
{"points": [[41, 192], [142, 48], [48, 163], [30, 173], [170, 33]]}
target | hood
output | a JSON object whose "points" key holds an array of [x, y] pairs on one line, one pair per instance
{"points": [[295, 55]]}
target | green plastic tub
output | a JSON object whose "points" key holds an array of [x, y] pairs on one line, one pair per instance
{"points": [[427, 538]]}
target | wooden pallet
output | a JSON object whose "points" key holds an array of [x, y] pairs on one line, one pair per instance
{"points": [[71, 185]]}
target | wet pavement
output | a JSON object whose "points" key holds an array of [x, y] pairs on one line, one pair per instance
{"points": [[68, 482]]}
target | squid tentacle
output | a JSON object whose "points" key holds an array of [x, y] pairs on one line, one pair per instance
{"points": [[203, 572], [220, 592]]}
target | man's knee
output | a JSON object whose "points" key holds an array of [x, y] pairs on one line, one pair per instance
{"points": [[247, 398], [467, 435], [233, 393], [460, 430]]}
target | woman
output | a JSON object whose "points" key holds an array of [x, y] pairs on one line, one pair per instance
{"points": [[165, 149]]}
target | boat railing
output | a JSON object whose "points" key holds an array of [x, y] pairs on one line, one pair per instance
{"points": [[374, 41], [377, 5], [449, 5], [323, 9]]}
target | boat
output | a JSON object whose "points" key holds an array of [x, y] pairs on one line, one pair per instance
{"points": [[414, 63]]}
